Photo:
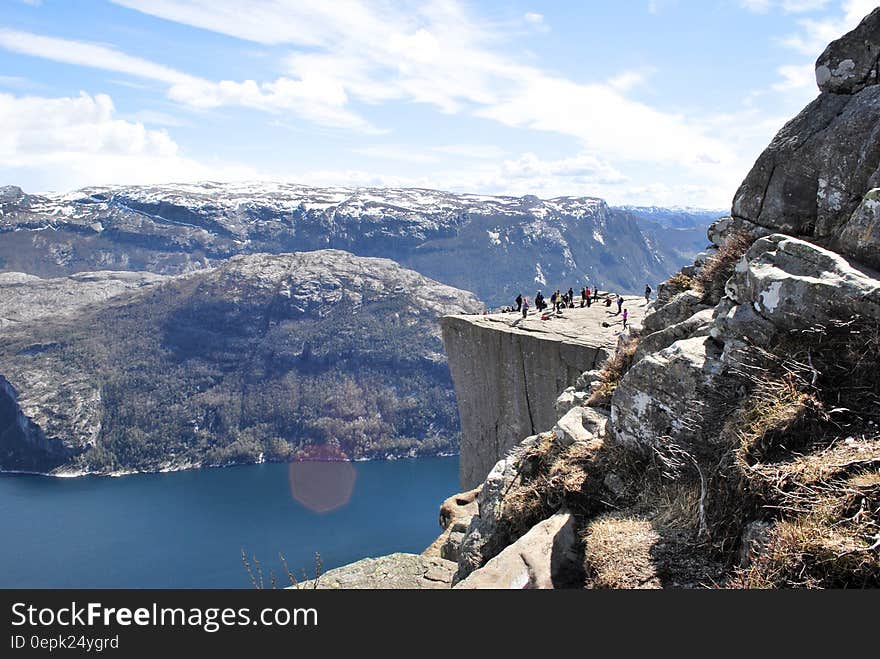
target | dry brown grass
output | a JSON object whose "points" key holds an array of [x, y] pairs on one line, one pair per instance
{"points": [[618, 552], [552, 477], [806, 456], [678, 283], [720, 267], [612, 373]]}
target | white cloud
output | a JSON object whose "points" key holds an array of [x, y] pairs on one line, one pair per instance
{"points": [[347, 54], [796, 76], [78, 141], [438, 55], [536, 21], [315, 98], [815, 34]]}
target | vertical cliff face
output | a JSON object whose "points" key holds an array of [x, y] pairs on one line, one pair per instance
{"points": [[508, 373]]}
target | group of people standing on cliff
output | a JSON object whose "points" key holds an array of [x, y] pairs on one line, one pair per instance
{"points": [[566, 300]]}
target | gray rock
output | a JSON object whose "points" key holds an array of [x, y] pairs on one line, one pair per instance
{"points": [[815, 173], [484, 537], [720, 230], [580, 424], [860, 236], [587, 379], [697, 325], [509, 372], [658, 398], [794, 284], [679, 308], [451, 549], [455, 517], [614, 484], [393, 572], [850, 64], [548, 556], [568, 399]]}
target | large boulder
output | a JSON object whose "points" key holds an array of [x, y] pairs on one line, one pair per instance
{"points": [[394, 572], [860, 236], [814, 174], [548, 556], [658, 398], [697, 325], [679, 308], [850, 64], [794, 284]]}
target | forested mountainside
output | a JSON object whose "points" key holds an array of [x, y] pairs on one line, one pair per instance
{"points": [[264, 357]]}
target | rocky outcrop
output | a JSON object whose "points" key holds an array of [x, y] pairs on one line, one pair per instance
{"points": [[24, 298], [737, 436], [508, 373], [546, 557], [815, 174], [850, 64], [658, 398], [393, 572], [456, 514]]}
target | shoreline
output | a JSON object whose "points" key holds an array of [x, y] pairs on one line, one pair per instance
{"points": [[193, 467]]}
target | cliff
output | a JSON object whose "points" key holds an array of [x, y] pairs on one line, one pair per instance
{"points": [[735, 440], [509, 371]]}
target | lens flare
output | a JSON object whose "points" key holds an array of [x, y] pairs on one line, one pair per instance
{"points": [[322, 478]]}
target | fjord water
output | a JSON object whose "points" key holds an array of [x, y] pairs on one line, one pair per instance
{"points": [[187, 529]]}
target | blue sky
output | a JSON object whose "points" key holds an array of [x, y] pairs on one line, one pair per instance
{"points": [[663, 102]]}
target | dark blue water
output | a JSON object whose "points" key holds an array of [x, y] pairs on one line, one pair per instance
{"points": [[187, 529]]}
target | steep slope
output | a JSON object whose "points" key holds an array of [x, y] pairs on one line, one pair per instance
{"points": [[259, 358], [493, 246]]}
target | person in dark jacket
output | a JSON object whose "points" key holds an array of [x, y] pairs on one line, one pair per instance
{"points": [[519, 302]]}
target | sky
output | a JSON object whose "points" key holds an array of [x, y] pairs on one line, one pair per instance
{"points": [[652, 102]]}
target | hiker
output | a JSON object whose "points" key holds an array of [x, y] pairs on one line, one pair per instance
{"points": [[584, 296], [553, 301], [625, 317], [540, 302], [619, 303], [596, 294], [608, 301], [525, 307], [571, 298], [519, 302], [647, 293]]}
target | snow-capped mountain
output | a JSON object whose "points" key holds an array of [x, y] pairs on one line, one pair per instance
{"points": [[494, 246]]}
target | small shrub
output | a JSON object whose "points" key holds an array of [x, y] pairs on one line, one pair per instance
{"points": [[612, 373], [713, 276], [678, 283]]}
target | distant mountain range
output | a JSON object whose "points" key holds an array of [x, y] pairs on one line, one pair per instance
{"points": [[492, 246], [164, 327]]}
